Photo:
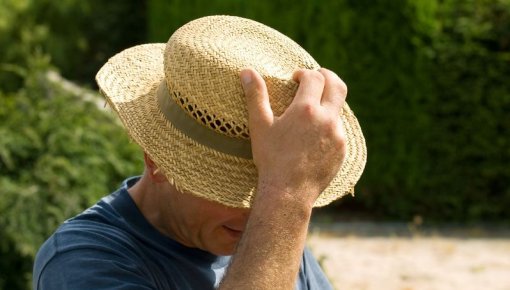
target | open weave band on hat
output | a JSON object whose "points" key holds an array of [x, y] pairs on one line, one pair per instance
{"points": [[199, 133], [183, 103]]}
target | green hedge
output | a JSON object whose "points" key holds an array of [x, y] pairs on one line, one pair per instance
{"points": [[79, 36], [428, 82], [58, 155], [468, 141]]}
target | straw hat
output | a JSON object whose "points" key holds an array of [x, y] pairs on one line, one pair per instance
{"points": [[183, 103]]}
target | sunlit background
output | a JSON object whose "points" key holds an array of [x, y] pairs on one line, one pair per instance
{"points": [[429, 81]]}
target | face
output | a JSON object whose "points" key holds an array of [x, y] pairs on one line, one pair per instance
{"points": [[199, 223]]}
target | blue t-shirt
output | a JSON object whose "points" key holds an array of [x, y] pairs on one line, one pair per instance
{"points": [[112, 246]]}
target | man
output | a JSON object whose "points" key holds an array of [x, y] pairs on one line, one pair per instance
{"points": [[243, 135]]}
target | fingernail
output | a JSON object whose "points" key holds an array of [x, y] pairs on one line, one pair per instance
{"points": [[246, 77]]}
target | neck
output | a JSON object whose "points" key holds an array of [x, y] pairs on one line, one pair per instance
{"points": [[152, 199]]}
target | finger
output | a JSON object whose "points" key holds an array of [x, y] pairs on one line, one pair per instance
{"points": [[311, 85], [335, 90], [257, 99]]}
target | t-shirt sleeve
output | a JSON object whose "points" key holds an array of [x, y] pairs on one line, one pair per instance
{"points": [[91, 269], [311, 276]]}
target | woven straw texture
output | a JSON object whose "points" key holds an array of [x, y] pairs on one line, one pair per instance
{"points": [[200, 65]]}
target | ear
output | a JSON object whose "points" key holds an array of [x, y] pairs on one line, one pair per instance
{"points": [[152, 170]]}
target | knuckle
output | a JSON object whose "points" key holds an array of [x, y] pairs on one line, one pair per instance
{"points": [[318, 77], [334, 80], [345, 89], [308, 110], [335, 131], [330, 127], [256, 92], [250, 95], [341, 138], [253, 94], [341, 87], [314, 76], [329, 74]]}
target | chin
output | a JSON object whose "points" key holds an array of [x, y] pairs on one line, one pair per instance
{"points": [[223, 251], [229, 252]]}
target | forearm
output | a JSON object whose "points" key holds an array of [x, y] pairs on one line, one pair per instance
{"points": [[270, 251], [297, 154]]}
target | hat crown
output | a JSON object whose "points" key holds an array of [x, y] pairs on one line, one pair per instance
{"points": [[203, 59]]}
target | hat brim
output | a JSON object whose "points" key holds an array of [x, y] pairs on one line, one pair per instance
{"points": [[129, 82]]}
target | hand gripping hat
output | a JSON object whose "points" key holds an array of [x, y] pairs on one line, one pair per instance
{"points": [[183, 103]]}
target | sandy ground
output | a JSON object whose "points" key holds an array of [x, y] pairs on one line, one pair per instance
{"points": [[364, 257]]}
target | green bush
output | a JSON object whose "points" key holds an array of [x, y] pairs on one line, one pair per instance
{"points": [[58, 155], [79, 36], [427, 80]]}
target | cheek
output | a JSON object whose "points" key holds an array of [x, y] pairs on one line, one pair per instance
{"points": [[213, 218], [216, 224], [218, 214], [221, 230], [208, 219]]}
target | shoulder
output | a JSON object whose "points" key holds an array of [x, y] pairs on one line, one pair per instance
{"points": [[98, 249], [83, 254]]}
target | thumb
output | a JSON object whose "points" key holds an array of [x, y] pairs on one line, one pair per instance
{"points": [[257, 99]]}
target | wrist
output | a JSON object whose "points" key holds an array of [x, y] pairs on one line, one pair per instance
{"points": [[276, 188], [278, 197]]}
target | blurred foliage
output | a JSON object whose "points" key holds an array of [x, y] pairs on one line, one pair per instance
{"points": [[79, 36], [468, 144], [428, 82], [58, 153]]}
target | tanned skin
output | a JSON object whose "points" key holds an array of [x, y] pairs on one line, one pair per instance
{"points": [[297, 155]]}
